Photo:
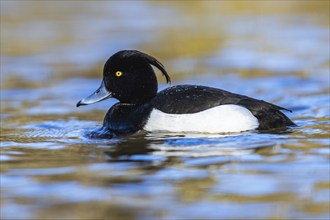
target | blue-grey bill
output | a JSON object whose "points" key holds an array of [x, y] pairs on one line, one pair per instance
{"points": [[99, 95]]}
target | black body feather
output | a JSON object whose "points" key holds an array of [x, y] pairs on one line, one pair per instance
{"points": [[187, 99]]}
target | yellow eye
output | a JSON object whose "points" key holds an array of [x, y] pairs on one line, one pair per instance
{"points": [[119, 74]]}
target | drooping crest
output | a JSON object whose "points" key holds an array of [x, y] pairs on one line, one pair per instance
{"points": [[149, 59]]}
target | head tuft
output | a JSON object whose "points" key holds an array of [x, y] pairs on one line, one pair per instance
{"points": [[149, 59]]}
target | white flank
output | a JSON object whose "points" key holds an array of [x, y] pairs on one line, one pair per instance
{"points": [[220, 119]]}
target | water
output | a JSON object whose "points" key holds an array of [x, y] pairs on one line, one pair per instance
{"points": [[52, 55]]}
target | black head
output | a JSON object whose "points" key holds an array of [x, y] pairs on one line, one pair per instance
{"points": [[128, 77]]}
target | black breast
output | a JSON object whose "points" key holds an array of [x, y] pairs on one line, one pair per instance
{"points": [[127, 118], [186, 99]]}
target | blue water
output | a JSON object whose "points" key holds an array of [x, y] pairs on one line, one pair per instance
{"points": [[56, 163]]}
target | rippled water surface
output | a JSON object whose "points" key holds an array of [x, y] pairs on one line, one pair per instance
{"points": [[52, 55]]}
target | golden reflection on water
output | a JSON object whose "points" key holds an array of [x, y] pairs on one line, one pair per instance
{"points": [[51, 169]]}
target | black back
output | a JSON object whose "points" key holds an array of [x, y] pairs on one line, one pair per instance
{"points": [[186, 99]]}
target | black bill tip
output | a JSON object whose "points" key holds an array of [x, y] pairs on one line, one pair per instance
{"points": [[80, 103]]}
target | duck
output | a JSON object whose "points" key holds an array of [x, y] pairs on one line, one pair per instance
{"points": [[129, 77]]}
